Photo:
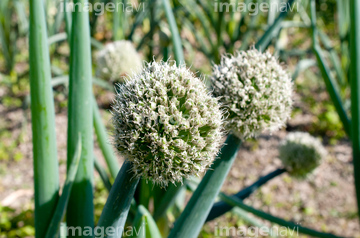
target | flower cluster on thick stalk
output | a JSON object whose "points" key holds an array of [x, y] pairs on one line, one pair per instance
{"points": [[301, 153], [254, 90], [166, 123], [117, 60]]}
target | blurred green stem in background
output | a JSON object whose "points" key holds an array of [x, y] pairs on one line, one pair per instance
{"points": [[46, 171], [179, 54], [355, 90], [104, 143], [118, 32]]}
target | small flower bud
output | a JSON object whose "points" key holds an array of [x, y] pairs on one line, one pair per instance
{"points": [[301, 153], [116, 60]]}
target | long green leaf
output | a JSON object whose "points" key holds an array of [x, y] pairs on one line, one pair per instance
{"points": [[46, 171], [53, 229], [103, 174], [355, 91], [144, 224], [196, 211], [104, 142], [332, 88], [179, 54], [290, 225], [220, 208], [118, 203], [80, 211]]}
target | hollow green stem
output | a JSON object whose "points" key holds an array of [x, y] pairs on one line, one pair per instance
{"points": [[196, 211], [118, 204], [46, 172]]}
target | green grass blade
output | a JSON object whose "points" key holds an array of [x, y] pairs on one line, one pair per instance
{"points": [[104, 142], [22, 18], [64, 36], [209, 12], [196, 211], [236, 202], [97, 44], [343, 17], [67, 19], [138, 20], [46, 171], [118, 203], [195, 10], [236, 34], [355, 90], [103, 174], [332, 89], [57, 38], [80, 208], [334, 58], [220, 208], [58, 18], [179, 54], [302, 66], [144, 224], [64, 79], [53, 229], [272, 30], [117, 29], [251, 220], [6, 46]]}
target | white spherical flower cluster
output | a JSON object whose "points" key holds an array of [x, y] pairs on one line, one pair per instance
{"points": [[167, 123], [116, 60], [254, 90], [301, 153]]}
